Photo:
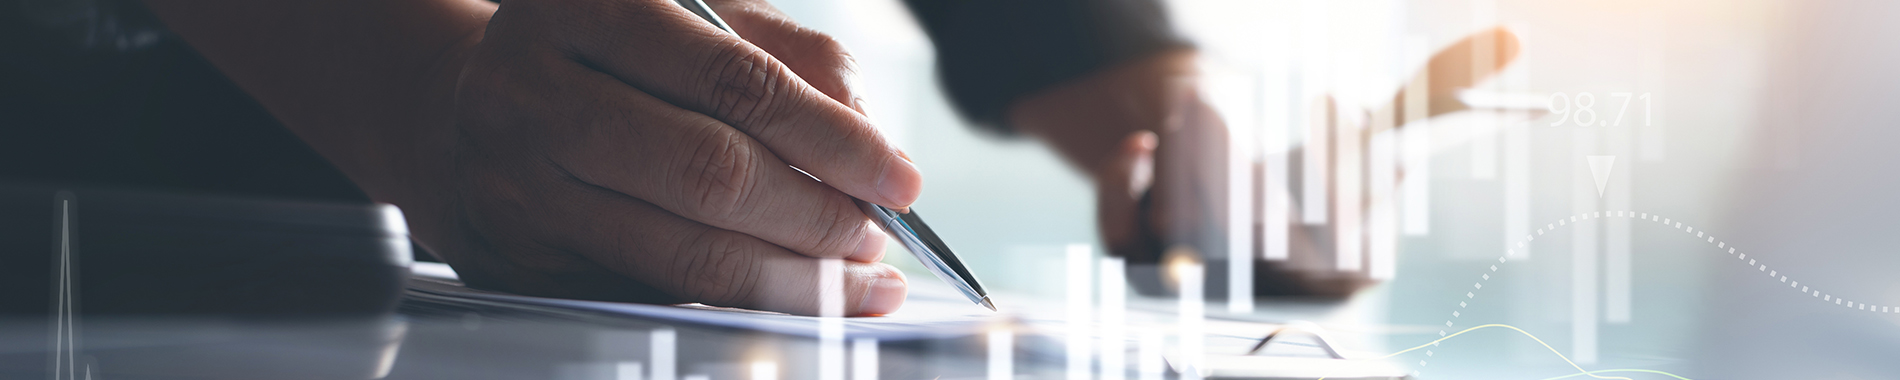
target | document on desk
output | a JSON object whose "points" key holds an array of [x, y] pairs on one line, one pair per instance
{"points": [[928, 313]]}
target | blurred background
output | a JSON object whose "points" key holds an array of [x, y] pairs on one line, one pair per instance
{"points": [[1653, 189], [1704, 106]]}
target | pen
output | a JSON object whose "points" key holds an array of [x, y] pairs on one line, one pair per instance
{"points": [[907, 227]]}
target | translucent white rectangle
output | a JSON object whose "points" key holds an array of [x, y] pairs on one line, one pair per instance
{"points": [[629, 371], [1080, 340], [1517, 166], [1617, 250], [1002, 354], [1316, 63], [1240, 159], [1349, 187], [1382, 167], [1382, 227], [1418, 145], [764, 370], [1517, 190], [1193, 314], [831, 319], [1583, 252], [662, 347], [1315, 155], [864, 359], [1652, 136], [1484, 147], [1114, 311], [1275, 213], [1149, 355], [1483, 128], [1652, 141]]}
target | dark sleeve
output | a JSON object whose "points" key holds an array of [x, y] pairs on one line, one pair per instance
{"points": [[992, 52], [98, 93]]}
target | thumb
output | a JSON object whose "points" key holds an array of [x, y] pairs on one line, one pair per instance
{"points": [[1122, 182], [814, 56]]}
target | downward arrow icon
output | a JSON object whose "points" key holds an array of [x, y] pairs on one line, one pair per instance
{"points": [[1600, 167]]}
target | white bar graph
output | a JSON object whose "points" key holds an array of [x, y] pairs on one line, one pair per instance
{"points": [[1315, 115], [1151, 363], [1349, 192], [1483, 128], [1382, 244], [662, 346], [1114, 314], [1583, 251], [1517, 165], [1080, 317], [764, 370], [1240, 111], [1193, 315], [831, 319], [1002, 354], [1652, 136], [1616, 237], [864, 359], [1276, 121], [629, 371], [1417, 132]]}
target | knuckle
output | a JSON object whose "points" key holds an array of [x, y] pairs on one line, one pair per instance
{"points": [[720, 177], [835, 229], [822, 43], [718, 269], [744, 84]]}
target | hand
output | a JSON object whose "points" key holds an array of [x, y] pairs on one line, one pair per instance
{"points": [[1158, 155], [627, 150], [1128, 127]]}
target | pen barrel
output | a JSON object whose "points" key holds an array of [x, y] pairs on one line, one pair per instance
{"points": [[915, 236]]}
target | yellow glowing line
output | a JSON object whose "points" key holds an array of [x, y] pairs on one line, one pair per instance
{"points": [[1620, 370], [1560, 355], [1526, 333]]}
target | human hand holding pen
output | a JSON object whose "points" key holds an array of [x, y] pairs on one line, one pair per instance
{"points": [[708, 209], [602, 149]]}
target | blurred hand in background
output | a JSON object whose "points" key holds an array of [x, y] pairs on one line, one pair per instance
{"points": [[1158, 155]]}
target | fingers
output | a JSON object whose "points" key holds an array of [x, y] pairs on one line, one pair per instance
{"points": [[700, 263], [1189, 195], [1119, 191], [700, 169], [1451, 70], [817, 58], [627, 150], [697, 67]]}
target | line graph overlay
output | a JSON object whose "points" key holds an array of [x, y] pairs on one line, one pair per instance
{"points": [[1618, 370], [1471, 294], [1553, 350]]}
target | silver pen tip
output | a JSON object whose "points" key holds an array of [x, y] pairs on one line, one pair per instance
{"points": [[986, 303]]}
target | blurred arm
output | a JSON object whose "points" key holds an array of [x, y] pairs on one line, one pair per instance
{"points": [[352, 78], [993, 53]]}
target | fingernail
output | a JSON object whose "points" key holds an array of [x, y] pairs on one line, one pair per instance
{"points": [[884, 295], [901, 183], [1141, 174], [870, 250], [1141, 171], [857, 103]]}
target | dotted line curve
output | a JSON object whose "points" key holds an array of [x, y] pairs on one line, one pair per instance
{"points": [[1667, 222]]}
